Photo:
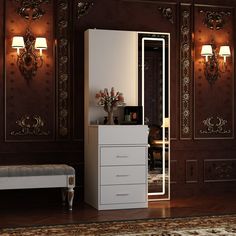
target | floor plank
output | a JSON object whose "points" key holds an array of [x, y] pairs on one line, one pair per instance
{"points": [[24, 215]]}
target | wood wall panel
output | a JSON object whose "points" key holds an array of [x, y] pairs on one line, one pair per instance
{"points": [[124, 15], [214, 104], [61, 99], [186, 71], [29, 102], [141, 15], [219, 170], [63, 72], [173, 171], [2, 50], [191, 171], [47, 94]]}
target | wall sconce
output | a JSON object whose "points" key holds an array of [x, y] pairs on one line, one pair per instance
{"points": [[28, 60], [212, 65]]}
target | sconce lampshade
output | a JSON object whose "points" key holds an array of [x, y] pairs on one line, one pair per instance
{"points": [[18, 42], [41, 44], [224, 51], [206, 50]]}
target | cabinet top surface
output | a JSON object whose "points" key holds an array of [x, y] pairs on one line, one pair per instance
{"points": [[117, 126]]}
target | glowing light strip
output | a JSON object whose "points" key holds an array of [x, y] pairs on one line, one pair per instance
{"points": [[163, 104]]}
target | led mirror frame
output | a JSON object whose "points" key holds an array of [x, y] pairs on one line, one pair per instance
{"points": [[163, 192]]}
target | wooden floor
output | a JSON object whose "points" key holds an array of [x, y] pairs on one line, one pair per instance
{"points": [[24, 215]]}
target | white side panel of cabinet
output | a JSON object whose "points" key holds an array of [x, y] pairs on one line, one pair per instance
{"points": [[121, 72]]}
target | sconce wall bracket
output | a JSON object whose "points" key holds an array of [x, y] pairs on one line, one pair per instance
{"points": [[28, 61], [212, 66]]}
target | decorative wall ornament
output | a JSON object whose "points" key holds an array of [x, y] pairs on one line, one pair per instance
{"points": [[214, 20], [215, 126], [31, 9], [63, 68], [28, 60], [223, 170], [185, 74], [30, 126], [83, 8], [167, 12]]}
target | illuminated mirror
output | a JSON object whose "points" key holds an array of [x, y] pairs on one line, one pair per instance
{"points": [[154, 97]]}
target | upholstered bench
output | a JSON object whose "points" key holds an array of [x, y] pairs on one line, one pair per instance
{"points": [[40, 176]]}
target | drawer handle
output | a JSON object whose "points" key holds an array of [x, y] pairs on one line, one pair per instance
{"points": [[122, 194], [122, 175], [123, 156]]}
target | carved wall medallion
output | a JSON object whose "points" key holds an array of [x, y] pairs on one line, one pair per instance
{"points": [[83, 8], [30, 126], [31, 9], [215, 126], [214, 20], [167, 12], [219, 170], [224, 171], [63, 65], [185, 74]]}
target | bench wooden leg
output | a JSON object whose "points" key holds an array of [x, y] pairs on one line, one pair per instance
{"points": [[70, 195], [64, 195]]}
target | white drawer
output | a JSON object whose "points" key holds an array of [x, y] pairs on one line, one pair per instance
{"points": [[123, 134], [123, 156], [123, 175], [123, 194]]}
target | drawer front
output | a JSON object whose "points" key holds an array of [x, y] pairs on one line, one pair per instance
{"points": [[123, 134], [123, 156], [123, 175], [123, 194]]}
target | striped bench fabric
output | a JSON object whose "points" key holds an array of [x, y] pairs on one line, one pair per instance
{"points": [[40, 176]]}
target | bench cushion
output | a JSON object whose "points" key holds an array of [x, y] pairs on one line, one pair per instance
{"points": [[36, 170]]}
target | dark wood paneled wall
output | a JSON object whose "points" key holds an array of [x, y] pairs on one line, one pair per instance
{"points": [[196, 156], [200, 161], [36, 114]]}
